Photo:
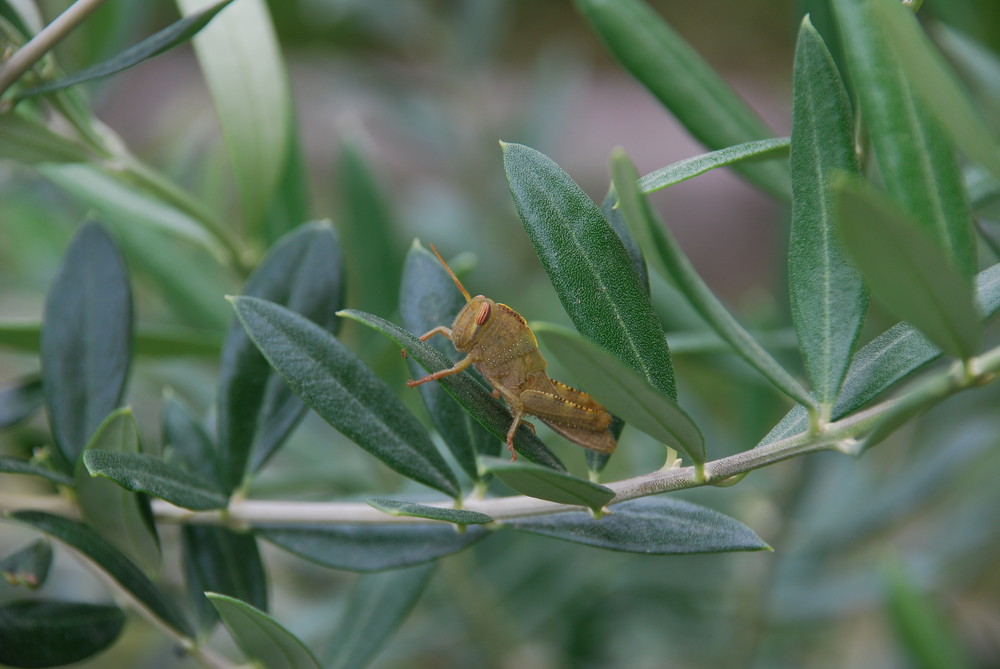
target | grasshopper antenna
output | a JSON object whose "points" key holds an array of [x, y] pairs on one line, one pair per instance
{"points": [[454, 278]]}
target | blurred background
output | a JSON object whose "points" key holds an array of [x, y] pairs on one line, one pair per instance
{"points": [[418, 94]]}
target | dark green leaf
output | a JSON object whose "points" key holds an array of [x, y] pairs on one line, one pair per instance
{"points": [[371, 547], [118, 515], [395, 507], [257, 410], [760, 149], [110, 560], [680, 79], [652, 525], [164, 40], [588, 265], [548, 484], [894, 256], [614, 217], [20, 399], [45, 633], [217, 559], [86, 339], [12, 465], [428, 298], [377, 605], [338, 386], [28, 566], [668, 258], [166, 342], [915, 158], [186, 443], [29, 142], [623, 392], [261, 638], [827, 294], [465, 389], [139, 472]]}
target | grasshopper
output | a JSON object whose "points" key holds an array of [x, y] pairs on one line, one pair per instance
{"points": [[499, 344]]}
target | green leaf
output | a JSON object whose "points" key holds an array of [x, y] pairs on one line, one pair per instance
{"points": [[28, 566], [20, 399], [26, 141], [13, 465], [428, 298], [290, 206], [338, 386], [682, 81], [86, 339], [46, 633], [118, 515], [138, 472], [668, 258], [548, 484], [623, 392], [651, 525], [827, 294], [241, 59], [894, 256], [13, 15], [588, 265], [376, 607], [931, 77], [465, 389], [760, 149], [165, 342], [186, 443], [164, 40], [367, 547], [395, 507], [111, 561], [614, 217], [217, 559], [257, 410], [915, 157], [261, 638]]}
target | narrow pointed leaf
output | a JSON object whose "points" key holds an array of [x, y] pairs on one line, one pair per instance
{"points": [[759, 149], [376, 607], [257, 410], [465, 389], [47, 633], [895, 257], [368, 547], [120, 516], [652, 525], [28, 566], [86, 339], [261, 638], [164, 40], [614, 217], [110, 560], [217, 559], [395, 507], [588, 265], [668, 258], [428, 298], [14, 465], [338, 386], [623, 392], [544, 483], [29, 142], [827, 294], [682, 81], [138, 472], [915, 157]]}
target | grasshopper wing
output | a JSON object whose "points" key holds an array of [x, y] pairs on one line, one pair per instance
{"points": [[573, 414]]}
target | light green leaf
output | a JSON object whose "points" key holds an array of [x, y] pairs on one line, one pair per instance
{"points": [[895, 257], [623, 392], [828, 297], [338, 386], [668, 258], [155, 342], [47, 633], [138, 472], [395, 507], [681, 79], [261, 638], [29, 142], [241, 59], [548, 484], [760, 149]]}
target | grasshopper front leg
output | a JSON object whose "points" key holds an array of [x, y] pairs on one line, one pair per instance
{"points": [[454, 369]]}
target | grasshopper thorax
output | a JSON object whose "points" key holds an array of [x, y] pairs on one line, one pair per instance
{"points": [[471, 322]]}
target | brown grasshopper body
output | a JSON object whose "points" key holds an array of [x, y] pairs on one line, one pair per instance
{"points": [[499, 344]]}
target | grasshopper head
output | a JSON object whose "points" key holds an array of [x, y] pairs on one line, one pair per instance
{"points": [[471, 322]]}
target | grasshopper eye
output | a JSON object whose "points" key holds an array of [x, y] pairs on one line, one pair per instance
{"points": [[483, 313]]}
